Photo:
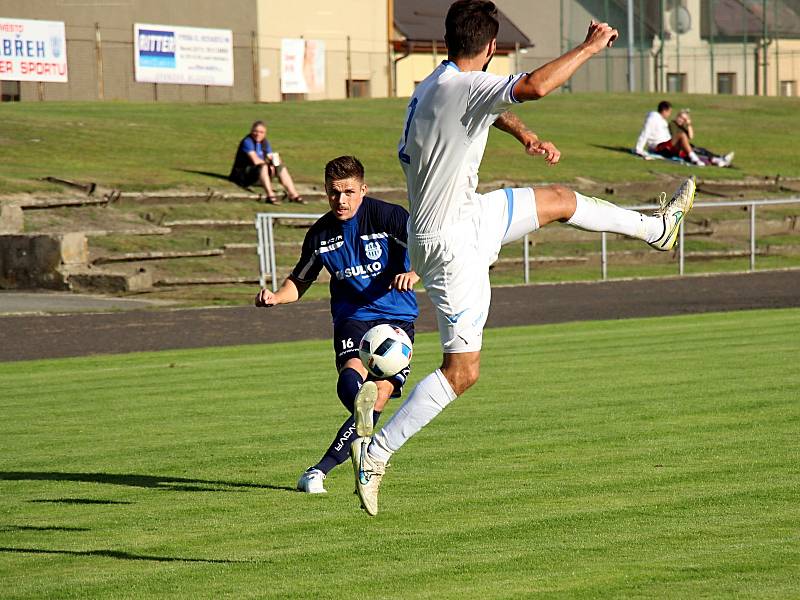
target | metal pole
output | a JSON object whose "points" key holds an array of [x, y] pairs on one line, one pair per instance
{"points": [[389, 37], [764, 46], [272, 269], [744, 48], [254, 64], [661, 86], [681, 254], [678, 56], [567, 84], [631, 78], [606, 55], [752, 237], [603, 256], [349, 71], [98, 52], [526, 259], [262, 263], [641, 47], [777, 55], [711, 43]]}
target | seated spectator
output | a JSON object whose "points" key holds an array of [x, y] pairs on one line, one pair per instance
{"points": [[682, 134], [255, 162], [655, 130], [658, 136]]}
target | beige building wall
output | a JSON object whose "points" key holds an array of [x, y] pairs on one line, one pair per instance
{"points": [[783, 68], [365, 22], [258, 27], [416, 67], [114, 22]]}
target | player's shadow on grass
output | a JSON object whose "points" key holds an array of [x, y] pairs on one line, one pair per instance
{"points": [[40, 528], [177, 484], [221, 176], [623, 149], [121, 555], [206, 173], [78, 501]]}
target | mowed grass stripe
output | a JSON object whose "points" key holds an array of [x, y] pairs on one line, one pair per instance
{"points": [[573, 468]]}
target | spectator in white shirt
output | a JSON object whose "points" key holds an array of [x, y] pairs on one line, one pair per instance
{"points": [[655, 130]]}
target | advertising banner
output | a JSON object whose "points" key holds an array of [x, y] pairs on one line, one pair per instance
{"points": [[32, 50], [302, 66], [183, 55]]}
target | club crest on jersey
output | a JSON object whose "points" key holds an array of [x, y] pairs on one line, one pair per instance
{"points": [[373, 250]]}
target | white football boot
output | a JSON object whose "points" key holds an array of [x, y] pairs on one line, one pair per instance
{"points": [[673, 212], [369, 473], [364, 408], [311, 482]]}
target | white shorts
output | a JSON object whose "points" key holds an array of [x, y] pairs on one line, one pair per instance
{"points": [[454, 263]]}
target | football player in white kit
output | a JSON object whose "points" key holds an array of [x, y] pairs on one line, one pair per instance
{"points": [[455, 233]]}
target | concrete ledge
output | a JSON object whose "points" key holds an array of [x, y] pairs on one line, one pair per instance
{"points": [[11, 219], [36, 260], [95, 280]]}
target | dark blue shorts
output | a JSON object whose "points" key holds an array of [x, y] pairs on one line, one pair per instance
{"points": [[347, 337]]}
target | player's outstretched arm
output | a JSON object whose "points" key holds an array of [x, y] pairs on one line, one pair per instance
{"points": [[289, 292], [554, 74], [513, 125]]}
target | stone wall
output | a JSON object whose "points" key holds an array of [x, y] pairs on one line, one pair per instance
{"points": [[40, 260]]}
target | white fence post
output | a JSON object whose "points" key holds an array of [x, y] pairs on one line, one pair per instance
{"points": [[272, 269], [752, 237], [526, 259], [262, 259], [603, 256]]}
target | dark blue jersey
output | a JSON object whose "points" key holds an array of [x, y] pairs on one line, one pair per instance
{"points": [[363, 255]]}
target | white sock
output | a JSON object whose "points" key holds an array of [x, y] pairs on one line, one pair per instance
{"points": [[696, 159], [593, 214], [426, 400]]}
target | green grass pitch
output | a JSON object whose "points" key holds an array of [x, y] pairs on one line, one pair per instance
{"points": [[638, 458], [136, 146]]}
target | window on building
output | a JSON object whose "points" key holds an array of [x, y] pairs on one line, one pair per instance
{"points": [[726, 83], [358, 88], [788, 88], [676, 82], [292, 97], [9, 91]]}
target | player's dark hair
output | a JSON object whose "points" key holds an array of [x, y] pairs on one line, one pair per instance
{"points": [[664, 105], [344, 167], [469, 26]]}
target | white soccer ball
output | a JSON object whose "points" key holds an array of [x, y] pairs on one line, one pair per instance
{"points": [[385, 350]]}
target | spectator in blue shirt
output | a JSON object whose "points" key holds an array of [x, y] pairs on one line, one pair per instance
{"points": [[256, 162]]}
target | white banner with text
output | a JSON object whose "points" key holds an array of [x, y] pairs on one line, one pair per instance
{"points": [[32, 50], [183, 55]]}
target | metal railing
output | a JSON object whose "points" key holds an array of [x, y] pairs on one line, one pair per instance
{"points": [[265, 223], [751, 204]]}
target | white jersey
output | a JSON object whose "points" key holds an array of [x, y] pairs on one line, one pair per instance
{"points": [[654, 131], [445, 134]]}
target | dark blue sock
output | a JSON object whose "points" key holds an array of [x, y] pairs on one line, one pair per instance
{"points": [[339, 450], [347, 387]]}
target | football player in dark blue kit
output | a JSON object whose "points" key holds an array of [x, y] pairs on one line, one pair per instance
{"points": [[361, 242]]}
